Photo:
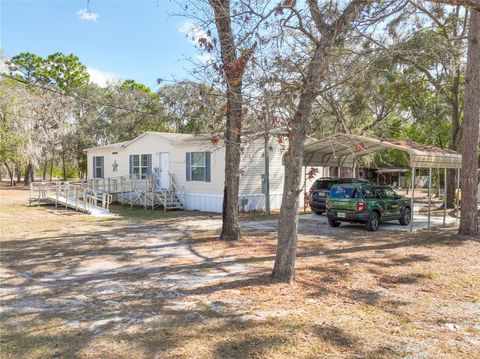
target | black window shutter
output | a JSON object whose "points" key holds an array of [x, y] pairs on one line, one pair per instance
{"points": [[130, 165], [149, 164], [102, 166], [208, 172], [187, 166]]}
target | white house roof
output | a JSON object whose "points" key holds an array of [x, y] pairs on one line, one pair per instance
{"points": [[111, 145], [342, 149], [177, 138], [171, 137]]}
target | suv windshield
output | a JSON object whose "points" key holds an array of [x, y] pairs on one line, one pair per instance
{"points": [[325, 185], [345, 192]]}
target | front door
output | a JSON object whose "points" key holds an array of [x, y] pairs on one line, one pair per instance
{"points": [[164, 161]]}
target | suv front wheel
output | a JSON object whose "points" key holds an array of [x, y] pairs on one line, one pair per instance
{"points": [[373, 222], [333, 223], [406, 216]]}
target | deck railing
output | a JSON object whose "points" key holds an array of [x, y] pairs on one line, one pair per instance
{"points": [[122, 184], [176, 188], [75, 194], [83, 194]]}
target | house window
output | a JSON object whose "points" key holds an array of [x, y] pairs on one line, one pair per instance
{"points": [[197, 166], [98, 167], [140, 166]]}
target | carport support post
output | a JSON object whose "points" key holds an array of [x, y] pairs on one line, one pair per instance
{"points": [[457, 194], [429, 195], [445, 198], [413, 198], [267, 177], [304, 189]]}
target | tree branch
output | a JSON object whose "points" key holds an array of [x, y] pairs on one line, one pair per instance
{"points": [[474, 4]]}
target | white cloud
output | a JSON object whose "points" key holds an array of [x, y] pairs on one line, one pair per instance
{"points": [[102, 78], [3, 62], [194, 33], [205, 58], [85, 14]]}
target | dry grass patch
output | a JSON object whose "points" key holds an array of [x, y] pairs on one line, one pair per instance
{"points": [[166, 287]]}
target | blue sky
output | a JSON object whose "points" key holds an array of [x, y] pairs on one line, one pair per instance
{"points": [[130, 39]]}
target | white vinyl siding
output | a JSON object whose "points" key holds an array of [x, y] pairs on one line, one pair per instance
{"points": [[178, 165], [252, 166]]}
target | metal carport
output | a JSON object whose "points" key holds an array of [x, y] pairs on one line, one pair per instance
{"points": [[343, 150]]}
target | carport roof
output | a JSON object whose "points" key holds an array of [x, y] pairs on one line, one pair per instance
{"points": [[342, 149]]}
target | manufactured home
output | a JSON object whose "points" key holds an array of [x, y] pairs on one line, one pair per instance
{"points": [[193, 167]]}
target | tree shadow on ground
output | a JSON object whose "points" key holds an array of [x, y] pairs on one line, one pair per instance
{"points": [[150, 286]]}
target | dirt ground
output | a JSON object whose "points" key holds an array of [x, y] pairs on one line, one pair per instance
{"points": [[155, 285]]}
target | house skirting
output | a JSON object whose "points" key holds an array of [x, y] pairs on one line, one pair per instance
{"points": [[247, 202]]}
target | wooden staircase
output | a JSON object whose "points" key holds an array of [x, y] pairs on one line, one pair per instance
{"points": [[169, 200], [146, 193]]}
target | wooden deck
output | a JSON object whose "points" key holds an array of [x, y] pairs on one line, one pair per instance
{"points": [[95, 195], [79, 205], [72, 195], [147, 192]]}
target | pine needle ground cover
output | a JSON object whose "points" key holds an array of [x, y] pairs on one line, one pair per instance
{"points": [[164, 286]]}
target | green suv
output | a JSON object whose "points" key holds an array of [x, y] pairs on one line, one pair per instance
{"points": [[366, 203]]}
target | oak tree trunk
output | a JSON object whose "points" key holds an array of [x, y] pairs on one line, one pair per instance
{"points": [[19, 172], [455, 139], [284, 268], [28, 173], [51, 169], [233, 71], [11, 174], [468, 218], [44, 170], [64, 165], [26, 177], [32, 173], [230, 227]]}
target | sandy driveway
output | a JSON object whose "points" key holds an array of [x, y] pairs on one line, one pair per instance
{"points": [[74, 286], [90, 272]]}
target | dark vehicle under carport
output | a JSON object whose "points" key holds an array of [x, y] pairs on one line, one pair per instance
{"points": [[344, 150], [321, 187]]}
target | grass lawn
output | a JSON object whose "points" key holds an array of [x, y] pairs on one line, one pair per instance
{"points": [[154, 285]]}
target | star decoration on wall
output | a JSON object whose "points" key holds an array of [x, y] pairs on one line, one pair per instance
{"points": [[115, 166]]}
